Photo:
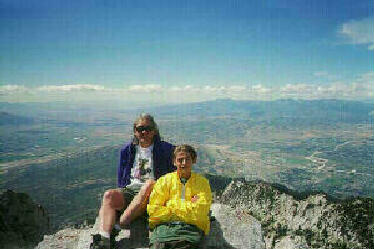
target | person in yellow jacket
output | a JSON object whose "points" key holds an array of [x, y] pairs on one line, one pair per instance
{"points": [[179, 205]]}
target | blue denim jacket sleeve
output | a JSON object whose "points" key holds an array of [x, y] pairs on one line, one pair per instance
{"points": [[124, 166]]}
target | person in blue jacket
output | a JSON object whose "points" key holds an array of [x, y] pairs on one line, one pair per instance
{"points": [[142, 161]]}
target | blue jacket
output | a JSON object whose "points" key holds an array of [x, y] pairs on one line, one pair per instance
{"points": [[162, 161]]}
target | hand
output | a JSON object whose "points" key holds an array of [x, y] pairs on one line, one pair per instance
{"points": [[194, 198], [124, 221]]}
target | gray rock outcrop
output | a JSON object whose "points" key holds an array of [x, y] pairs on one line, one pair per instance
{"points": [[22, 222], [232, 230], [312, 222]]}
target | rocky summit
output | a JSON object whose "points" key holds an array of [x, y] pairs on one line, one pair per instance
{"points": [[257, 215], [228, 231]]}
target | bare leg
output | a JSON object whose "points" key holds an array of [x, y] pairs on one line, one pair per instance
{"points": [[112, 201], [138, 204]]}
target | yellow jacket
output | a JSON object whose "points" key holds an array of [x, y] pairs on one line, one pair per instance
{"points": [[166, 203]]}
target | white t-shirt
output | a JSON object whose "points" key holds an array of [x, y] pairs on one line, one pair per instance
{"points": [[143, 166]]}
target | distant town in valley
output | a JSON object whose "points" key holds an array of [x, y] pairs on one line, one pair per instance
{"points": [[62, 155]]}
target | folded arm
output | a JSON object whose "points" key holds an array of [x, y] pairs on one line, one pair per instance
{"points": [[193, 210], [163, 208], [157, 210]]}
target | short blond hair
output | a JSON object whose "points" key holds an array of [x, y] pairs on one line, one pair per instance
{"points": [[187, 149]]}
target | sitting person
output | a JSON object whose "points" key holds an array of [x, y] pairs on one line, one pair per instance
{"points": [[142, 160], [179, 205]]}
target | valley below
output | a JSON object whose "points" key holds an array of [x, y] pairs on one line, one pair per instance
{"points": [[66, 161]]}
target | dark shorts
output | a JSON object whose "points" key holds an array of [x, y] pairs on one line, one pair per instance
{"points": [[128, 195]]}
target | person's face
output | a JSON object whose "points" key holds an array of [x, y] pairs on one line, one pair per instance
{"points": [[144, 132], [183, 162]]}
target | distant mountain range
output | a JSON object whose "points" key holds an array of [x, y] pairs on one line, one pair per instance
{"points": [[11, 119], [318, 110]]}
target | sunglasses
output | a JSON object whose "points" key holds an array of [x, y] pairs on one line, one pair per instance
{"points": [[142, 128]]}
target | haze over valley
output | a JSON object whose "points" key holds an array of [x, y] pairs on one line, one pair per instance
{"points": [[65, 157]]}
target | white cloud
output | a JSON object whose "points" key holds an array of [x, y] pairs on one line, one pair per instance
{"points": [[367, 78], [145, 88], [338, 89], [175, 89], [189, 88], [260, 89], [12, 88], [359, 31], [213, 89], [360, 88], [364, 85], [209, 88], [72, 87], [237, 88], [297, 89]]}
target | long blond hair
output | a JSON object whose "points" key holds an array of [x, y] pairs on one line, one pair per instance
{"points": [[151, 120]]}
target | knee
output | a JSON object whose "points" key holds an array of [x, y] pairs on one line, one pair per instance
{"points": [[108, 196], [112, 198]]}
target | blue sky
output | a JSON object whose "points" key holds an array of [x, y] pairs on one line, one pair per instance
{"points": [[181, 51]]}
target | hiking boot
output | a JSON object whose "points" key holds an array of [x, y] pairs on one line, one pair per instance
{"points": [[100, 242]]}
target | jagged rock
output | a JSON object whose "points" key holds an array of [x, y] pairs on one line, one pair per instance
{"points": [[64, 239], [22, 222], [234, 230], [288, 242], [317, 220], [71, 238]]}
